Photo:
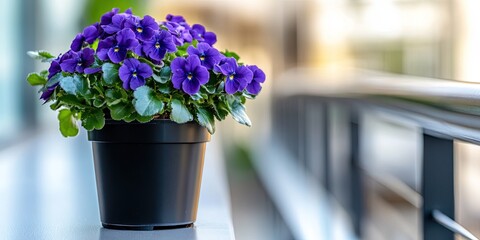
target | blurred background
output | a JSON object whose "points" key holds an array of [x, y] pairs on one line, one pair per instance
{"points": [[321, 39]]}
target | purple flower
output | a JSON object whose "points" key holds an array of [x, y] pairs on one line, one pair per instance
{"points": [[133, 73], [173, 18], [107, 17], [76, 62], [254, 86], [91, 70], [115, 48], [178, 19], [89, 35], [180, 34], [159, 45], [77, 43], [236, 77], [117, 24], [92, 32], [47, 93], [208, 55], [144, 29], [54, 68], [198, 32], [188, 74]]}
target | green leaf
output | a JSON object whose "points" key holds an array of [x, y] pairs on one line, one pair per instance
{"points": [[76, 85], [205, 118], [114, 96], [195, 42], [121, 111], [94, 118], [164, 88], [249, 96], [221, 109], [163, 76], [54, 80], [238, 113], [72, 100], [196, 96], [44, 74], [209, 88], [94, 45], [221, 87], [143, 119], [180, 113], [98, 103], [41, 55], [35, 79], [56, 105], [182, 50], [231, 54], [131, 117], [146, 102], [68, 125], [110, 73]]}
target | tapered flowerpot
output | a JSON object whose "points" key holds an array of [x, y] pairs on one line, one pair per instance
{"points": [[148, 174]]}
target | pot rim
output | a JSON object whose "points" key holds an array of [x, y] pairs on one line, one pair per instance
{"points": [[155, 131]]}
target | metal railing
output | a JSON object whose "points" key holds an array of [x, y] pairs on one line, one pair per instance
{"points": [[444, 111]]}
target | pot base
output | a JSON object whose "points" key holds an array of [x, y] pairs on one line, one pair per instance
{"points": [[145, 228]]}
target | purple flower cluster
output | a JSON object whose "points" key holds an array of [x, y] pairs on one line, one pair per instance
{"points": [[124, 38]]}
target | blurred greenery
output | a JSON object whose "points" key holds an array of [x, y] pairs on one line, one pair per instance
{"points": [[95, 9], [240, 157]]}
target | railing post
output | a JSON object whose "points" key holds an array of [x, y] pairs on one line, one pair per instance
{"points": [[437, 184], [356, 184], [326, 146]]}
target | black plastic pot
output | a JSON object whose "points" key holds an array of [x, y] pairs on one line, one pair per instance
{"points": [[148, 174]]}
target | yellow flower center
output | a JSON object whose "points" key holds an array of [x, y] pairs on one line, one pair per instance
{"points": [[231, 77], [189, 76], [139, 29], [134, 74], [157, 45], [116, 49], [202, 58]]}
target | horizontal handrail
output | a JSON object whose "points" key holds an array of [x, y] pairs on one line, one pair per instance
{"points": [[451, 108], [451, 225]]}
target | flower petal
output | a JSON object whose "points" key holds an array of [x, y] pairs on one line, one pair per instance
{"points": [[193, 62], [243, 74], [201, 74], [231, 86], [91, 70], [144, 70], [124, 72], [191, 86], [198, 28], [149, 22], [117, 57], [91, 33], [228, 66], [69, 65], [77, 42], [178, 64], [210, 38], [177, 79], [136, 82], [254, 88]]}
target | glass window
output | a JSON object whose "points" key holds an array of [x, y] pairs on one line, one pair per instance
{"points": [[10, 71]]}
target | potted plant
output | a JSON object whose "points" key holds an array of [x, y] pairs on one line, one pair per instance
{"points": [[148, 93]]}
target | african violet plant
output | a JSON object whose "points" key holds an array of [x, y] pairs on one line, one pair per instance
{"points": [[128, 68]]}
